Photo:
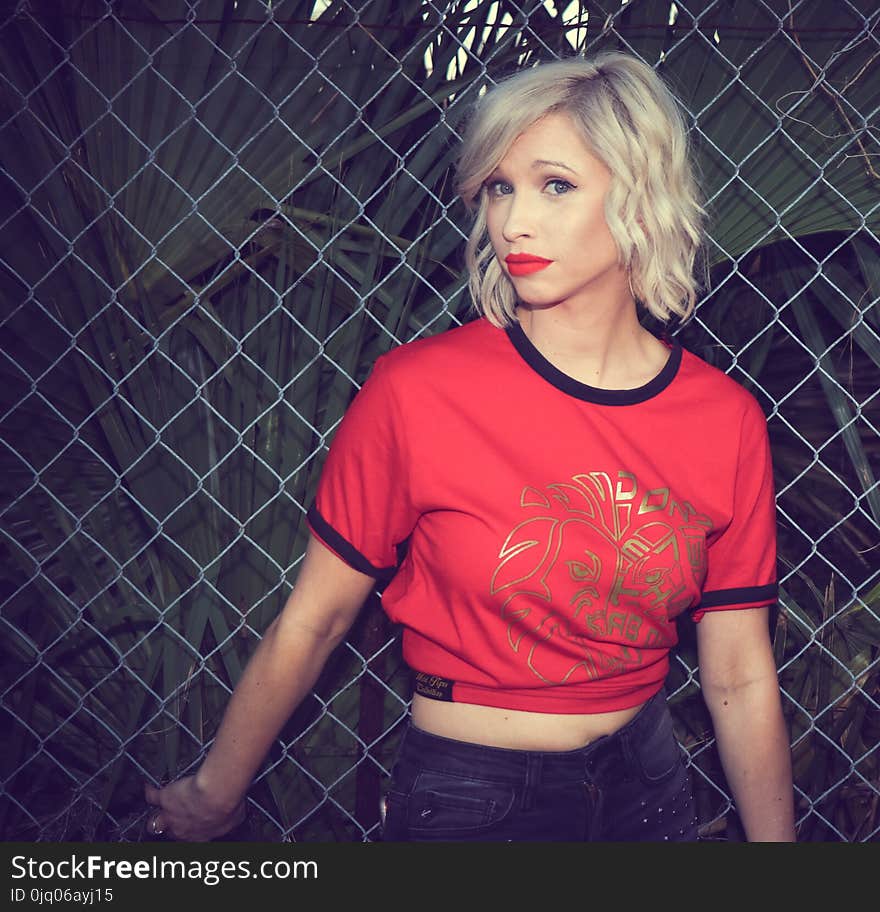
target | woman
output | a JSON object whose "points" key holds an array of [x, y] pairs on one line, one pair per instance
{"points": [[568, 485]]}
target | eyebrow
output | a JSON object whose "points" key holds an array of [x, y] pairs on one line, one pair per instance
{"points": [[553, 164], [539, 163]]}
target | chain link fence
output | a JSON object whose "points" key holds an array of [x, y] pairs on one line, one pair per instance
{"points": [[216, 215]]}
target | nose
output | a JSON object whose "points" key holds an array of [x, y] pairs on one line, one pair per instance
{"points": [[517, 220]]}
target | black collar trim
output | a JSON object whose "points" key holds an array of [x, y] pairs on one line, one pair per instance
{"points": [[572, 387]]}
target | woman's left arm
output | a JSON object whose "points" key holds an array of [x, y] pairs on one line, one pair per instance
{"points": [[741, 689]]}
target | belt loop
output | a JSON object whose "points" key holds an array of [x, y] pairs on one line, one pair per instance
{"points": [[534, 769], [626, 751]]}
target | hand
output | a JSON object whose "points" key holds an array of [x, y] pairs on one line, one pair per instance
{"points": [[186, 811]]}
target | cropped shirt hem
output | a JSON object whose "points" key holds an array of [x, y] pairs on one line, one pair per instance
{"points": [[562, 699]]}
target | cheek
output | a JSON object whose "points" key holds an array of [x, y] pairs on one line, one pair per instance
{"points": [[493, 226], [594, 235]]}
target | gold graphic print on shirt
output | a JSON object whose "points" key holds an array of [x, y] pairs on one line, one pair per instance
{"points": [[595, 574]]}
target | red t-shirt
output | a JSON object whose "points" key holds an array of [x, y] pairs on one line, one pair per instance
{"points": [[555, 530]]}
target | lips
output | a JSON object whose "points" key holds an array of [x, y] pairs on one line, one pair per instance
{"points": [[520, 264]]}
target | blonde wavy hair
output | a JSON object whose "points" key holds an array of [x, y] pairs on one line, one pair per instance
{"points": [[631, 121]]}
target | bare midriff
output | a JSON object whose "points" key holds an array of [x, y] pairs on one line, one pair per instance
{"points": [[515, 729]]}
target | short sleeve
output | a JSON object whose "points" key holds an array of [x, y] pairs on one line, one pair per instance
{"points": [[741, 560], [363, 507]]}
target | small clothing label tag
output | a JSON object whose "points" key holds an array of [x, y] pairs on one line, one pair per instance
{"points": [[436, 688]]}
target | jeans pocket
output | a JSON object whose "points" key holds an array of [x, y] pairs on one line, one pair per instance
{"points": [[448, 806], [657, 755]]}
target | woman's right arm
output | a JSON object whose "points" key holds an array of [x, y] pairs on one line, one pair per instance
{"points": [[315, 619]]}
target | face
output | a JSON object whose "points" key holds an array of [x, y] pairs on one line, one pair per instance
{"points": [[546, 218]]}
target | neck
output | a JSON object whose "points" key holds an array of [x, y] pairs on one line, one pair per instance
{"points": [[606, 348]]}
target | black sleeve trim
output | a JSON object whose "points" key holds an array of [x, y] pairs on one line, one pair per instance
{"points": [[738, 596], [345, 549]]}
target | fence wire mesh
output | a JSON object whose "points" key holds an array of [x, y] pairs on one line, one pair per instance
{"points": [[216, 215]]}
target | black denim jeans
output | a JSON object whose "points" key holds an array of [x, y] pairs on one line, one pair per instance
{"points": [[631, 786]]}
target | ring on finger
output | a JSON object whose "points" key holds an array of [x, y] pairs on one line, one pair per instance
{"points": [[155, 829]]}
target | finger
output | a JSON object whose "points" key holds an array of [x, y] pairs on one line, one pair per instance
{"points": [[152, 794]]}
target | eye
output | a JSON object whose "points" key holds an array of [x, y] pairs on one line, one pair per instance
{"points": [[558, 186], [498, 187], [578, 570]]}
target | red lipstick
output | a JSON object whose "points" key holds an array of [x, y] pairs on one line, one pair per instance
{"points": [[521, 264]]}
